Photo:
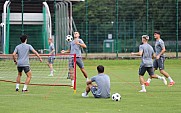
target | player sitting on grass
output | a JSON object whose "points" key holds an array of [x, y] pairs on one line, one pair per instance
{"points": [[102, 87]]}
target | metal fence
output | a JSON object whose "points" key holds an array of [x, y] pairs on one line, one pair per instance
{"points": [[117, 26], [109, 26]]}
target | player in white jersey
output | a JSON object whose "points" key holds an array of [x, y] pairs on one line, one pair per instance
{"points": [[146, 52], [51, 57], [160, 58], [75, 48], [21, 59]]}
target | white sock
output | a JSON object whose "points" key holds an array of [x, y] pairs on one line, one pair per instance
{"points": [[170, 79], [17, 86], [87, 79], [51, 72], [149, 80], [25, 87], [73, 83], [143, 87], [159, 77], [85, 92]]}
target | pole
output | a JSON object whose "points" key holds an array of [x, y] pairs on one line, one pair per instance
{"points": [[86, 25], [55, 24], [22, 11], [147, 15], [117, 29], [177, 25]]}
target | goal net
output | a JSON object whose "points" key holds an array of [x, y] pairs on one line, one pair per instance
{"points": [[40, 70]]}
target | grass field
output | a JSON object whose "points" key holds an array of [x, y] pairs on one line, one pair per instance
{"points": [[124, 80]]}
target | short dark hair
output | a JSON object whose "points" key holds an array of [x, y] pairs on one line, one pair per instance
{"points": [[157, 32], [23, 38], [100, 68]]}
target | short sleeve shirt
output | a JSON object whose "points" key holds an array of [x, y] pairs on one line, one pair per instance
{"points": [[103, 82], [22, 51]]}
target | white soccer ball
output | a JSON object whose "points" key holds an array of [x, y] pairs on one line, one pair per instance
{"points": [[69, 38], [2, 24], [116, 97]]}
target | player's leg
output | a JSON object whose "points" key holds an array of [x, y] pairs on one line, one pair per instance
{"points": [[28, 78], [155, 65], [81, 66], [18, 78], [150, 71], [162, 71], [167, 76], [84, 72], [88, 89], [50, 65], [142, 71], [71, 71]]}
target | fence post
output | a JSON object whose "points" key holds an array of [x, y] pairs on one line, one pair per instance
{"points": [[86, 25], [147, 15], [117, 29], [177, 29], [22, 18]]}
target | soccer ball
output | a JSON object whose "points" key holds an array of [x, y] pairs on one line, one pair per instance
{"points": [[116, 97], [2, 24], [69, 38]]}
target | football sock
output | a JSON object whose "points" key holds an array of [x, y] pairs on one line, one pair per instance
{"points": [[72, 82], [143, 87], [25, 87], [17, 86], [149, 80], [85, 93], [159, 77], [51, 72], [170, 79]]}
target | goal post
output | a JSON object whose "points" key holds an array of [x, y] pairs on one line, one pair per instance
{"points": [[40, 70]]}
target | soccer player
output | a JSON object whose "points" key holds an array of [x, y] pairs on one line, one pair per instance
{"points": [[160, 58], [51, 58], [21, 59], [75, 48], [146, 52], [102, 87]]}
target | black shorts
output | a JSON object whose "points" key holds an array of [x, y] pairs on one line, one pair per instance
{"points": [[26, 69], [143, 69], [159, 63]]}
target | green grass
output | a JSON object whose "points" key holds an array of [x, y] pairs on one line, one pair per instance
{"points": [[124, 80]]}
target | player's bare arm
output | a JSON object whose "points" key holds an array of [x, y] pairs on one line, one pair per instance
{"points": [[52, 51], [154, 55], [36, 53], [89, 82], [82, 45], [65, 51], [14, 57], [163, 50], [138, 53]]}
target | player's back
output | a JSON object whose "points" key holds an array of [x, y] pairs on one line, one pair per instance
{"points": [[147, 55], [23, 54], [103, 82]]}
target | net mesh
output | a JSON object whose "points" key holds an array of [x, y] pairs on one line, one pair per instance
{"points": [[40, 70]]}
